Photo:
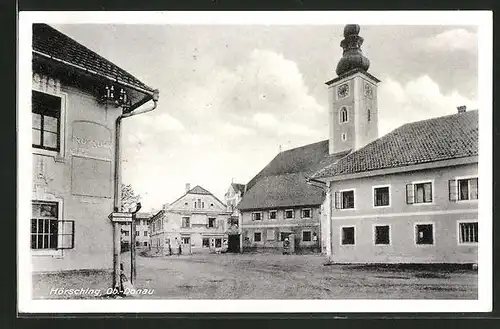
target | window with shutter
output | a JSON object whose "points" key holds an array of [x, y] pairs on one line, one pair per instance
{"points": [[409, 194], [452, 189], [66, 239], [337, 200]]}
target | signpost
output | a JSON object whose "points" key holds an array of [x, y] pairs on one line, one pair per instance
{"points": [[133, 272]]}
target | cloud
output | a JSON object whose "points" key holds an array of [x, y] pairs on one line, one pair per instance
{"points": [[451, 40], [415, 100]]}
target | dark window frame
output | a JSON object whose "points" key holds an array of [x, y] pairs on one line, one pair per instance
{"points": [[383, 240], [348, 240], [259, 234], [423, 241], [304, 236], [36, 108], [375, 195]]}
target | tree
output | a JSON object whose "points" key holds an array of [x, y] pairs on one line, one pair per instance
{"points": [[129, 198]]}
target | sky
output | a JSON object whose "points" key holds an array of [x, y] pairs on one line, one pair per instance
{"points": [[231, 96]]}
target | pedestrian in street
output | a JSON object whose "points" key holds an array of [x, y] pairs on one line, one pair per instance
{"points": [[169, 248], [178, 246], [315, 240]]}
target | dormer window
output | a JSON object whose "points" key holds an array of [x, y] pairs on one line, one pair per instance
{"points": [[343, 115]]}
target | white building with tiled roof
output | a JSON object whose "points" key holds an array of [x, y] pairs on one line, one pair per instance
{"points": [[410, 196], [195, 222], [78, 99]]}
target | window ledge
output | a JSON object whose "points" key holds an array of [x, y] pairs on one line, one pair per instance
{"points": [[57, 155], [49, 252], [423, 204], [468, 244]]}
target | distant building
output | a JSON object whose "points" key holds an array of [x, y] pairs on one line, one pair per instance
{"points": [[141, 232], [197, 221], [279, 202], [232, 198], [76, 98]]}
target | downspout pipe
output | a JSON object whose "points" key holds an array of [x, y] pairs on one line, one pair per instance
{"points": [[135, 109]]}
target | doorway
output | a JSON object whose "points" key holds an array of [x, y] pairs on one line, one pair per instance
{"points": [[233, 243]]}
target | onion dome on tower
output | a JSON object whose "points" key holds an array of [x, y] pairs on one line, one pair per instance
{"points": [[352, 57]]}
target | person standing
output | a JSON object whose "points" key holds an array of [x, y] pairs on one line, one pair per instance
{"points": [[178, 246], [315, 240]]}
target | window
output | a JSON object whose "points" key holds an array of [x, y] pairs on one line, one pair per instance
{"points": [[125, 233], [257, 237], [137, 243], [419, 193], [424, 234], [185, 203], [46, 116], [199, 203], [185, 222], [218, 243], [343, 136], [289, 214], [381, 196], [284, 235], [368, 115], [47, 231], [186, 240], [343, 114], [257, 216], [145, 233], [211, 205], [145, 243], [203, 204], [306, 213], [205, 243], [463, 189], [468, 232], [382, 234], [211, 222], [270, 235], [306, 236], [137, 233], [348, 235], [344, 200], [272, 214]]}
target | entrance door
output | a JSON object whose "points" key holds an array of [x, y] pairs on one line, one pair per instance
{"points": [[233, 243]]}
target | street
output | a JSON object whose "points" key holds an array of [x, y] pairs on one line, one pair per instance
{"points": [[269, 276]]}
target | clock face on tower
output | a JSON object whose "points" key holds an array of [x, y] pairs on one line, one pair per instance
{"points": [[343, 90], [368, 90]]}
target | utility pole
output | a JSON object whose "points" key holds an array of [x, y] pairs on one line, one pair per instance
{"points": [[133, 272]]}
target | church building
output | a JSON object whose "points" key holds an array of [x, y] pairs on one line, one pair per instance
{"points": [[410, 196]]}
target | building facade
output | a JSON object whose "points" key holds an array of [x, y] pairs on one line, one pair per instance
{"points": [[233, 197], [280, 203], [407, 197], [76, 98], [197, 222], [141, 232]]}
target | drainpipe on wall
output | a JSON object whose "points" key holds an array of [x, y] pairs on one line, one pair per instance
{"points": [[135, 109]]}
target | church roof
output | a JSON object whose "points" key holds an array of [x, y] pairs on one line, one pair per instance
{"points": [[283, 182], [443, 138]]}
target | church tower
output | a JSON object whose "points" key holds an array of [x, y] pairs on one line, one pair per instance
{"points": [[352, 97]]}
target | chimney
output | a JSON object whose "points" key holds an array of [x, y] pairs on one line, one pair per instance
{"points": [[462, 109], [188, 187]]}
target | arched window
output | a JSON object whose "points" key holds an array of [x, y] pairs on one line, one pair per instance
{"points": [[368, 115], [343, 115]]}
